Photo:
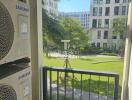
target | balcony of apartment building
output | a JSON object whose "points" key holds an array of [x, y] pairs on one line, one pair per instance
{"points": [[51, 83]]}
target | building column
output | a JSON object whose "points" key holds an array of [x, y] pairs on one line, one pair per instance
{"points": [[127, 72], [36, 46], [130, 69]]}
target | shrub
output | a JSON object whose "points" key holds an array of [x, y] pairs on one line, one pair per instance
{"points": [[109, 54], [91, 50]]}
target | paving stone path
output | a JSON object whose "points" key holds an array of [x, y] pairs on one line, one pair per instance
{"points": [[78, 95]]}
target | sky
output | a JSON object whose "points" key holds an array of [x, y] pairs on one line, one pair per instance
{"points": [[74, 5]]}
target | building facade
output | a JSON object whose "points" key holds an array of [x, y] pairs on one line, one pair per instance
{"points": [[51, 6], [102, 15], [83, 17]]}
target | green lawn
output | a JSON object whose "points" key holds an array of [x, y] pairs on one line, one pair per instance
{"points": [[89, 63], [105, 64]]}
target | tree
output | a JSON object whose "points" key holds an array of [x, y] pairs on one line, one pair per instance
{"points": [[55, 30], [52, 32], [120, 28], [74, 32]]}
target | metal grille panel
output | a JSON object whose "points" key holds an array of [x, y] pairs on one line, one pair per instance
{"points": [[7, 93], [6, 31]]}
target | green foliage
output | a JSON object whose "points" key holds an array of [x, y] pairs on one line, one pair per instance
{"points": [[88, 49], [74, 32], [55, 30], [52, 30], [119, 26], [109, 54]]}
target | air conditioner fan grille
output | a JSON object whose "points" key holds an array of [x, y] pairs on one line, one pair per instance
{"points": [[6, 31], [7, 93]]}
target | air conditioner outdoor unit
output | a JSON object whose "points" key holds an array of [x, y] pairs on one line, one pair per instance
{"points": [[16, 83], [14, 30], [15, 75]]}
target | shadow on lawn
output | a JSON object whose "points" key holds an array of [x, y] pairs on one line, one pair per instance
{"points": [[104, 62], [91, 85], [86, 59], [95, 86]]}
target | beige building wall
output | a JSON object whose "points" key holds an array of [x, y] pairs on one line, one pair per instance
{"points": [[127, 72], [130, 69], [36, 47], [111, 43]]}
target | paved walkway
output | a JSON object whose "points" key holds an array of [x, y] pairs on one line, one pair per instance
{"points": [[78, 95], [55, 54]]}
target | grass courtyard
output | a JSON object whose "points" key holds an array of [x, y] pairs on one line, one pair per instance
{"points": [[94, 63]]}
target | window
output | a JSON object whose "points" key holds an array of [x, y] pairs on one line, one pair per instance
{"points": [[23, 1], [95, 1], [116, 10], [117, 1], [124, 1], [100, 11], [114, 37], [98, 45], [106, 24], [100, 1], [121, 36], [93, 44], [95, 9], [114, 46], [99, 23], [123, 10], [43, 2], [105, 34], [50, 3], [94, 25], [127, 9], [99, 35], [55, 6], [107, 1], [104, 45], [107, 11]]}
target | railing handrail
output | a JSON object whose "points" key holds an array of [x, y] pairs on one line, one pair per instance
{"points": [[80, 71], [77, 71]]}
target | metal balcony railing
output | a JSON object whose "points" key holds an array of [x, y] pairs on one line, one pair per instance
{"points": [[74, 84]]}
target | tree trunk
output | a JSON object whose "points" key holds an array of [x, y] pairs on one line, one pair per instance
{"points": [[47, 52]]}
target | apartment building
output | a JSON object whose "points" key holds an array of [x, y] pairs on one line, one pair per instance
{"points": [[51, 6], [83, 17], [102, 15]]}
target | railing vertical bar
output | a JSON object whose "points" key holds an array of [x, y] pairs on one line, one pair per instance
{"points": [[98, 87], [57, 85], [108, 89], [65, 78], [50, 85], [72, 86], [45, 84], [116, 87], [81, 88], [89, 86]]}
